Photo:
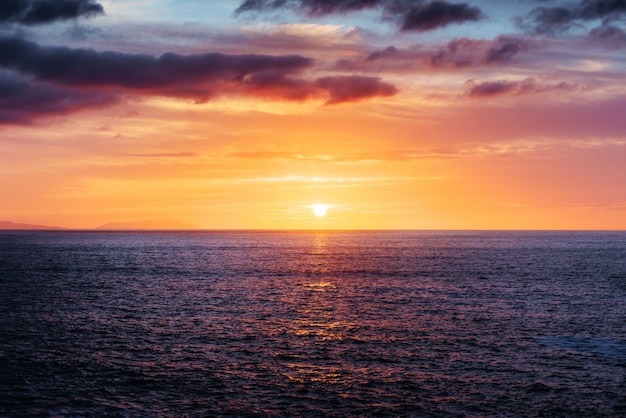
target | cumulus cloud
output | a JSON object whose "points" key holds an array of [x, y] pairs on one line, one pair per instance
{"points": [[35, 12], [22, 101], [416, 15]]}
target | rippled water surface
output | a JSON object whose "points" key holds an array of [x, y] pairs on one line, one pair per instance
{"points": [[313, 324]]}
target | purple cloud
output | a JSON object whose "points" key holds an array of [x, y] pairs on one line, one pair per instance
{"points": [[65, 79], [194, 76], [22, 101], [437, 14], [458, 53], [502, 87], [353, 88], [548, 20], [310, 7], [34, 12], [611, 35], [414, 15]]}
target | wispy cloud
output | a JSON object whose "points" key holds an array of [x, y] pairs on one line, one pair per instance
{"points": [[502, 87]]}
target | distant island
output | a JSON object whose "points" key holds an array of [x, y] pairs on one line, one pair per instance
{"points": [[155, 225], [14, 226], [161, 224]]}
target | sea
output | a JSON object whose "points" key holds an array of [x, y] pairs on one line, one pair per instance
{"points": [[312, 324]]}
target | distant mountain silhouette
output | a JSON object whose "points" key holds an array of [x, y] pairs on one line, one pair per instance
{"points": [[160, 224], [13, 226]]}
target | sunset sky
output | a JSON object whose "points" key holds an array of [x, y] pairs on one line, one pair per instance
{"points": [[398, 114]]}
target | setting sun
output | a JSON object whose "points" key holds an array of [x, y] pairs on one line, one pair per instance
{"points": [[320, 209]]}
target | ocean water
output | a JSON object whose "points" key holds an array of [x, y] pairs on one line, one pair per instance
{"points": [[423, 324]]}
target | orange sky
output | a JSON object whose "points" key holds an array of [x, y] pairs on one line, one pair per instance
{"points": [[536, 141]]}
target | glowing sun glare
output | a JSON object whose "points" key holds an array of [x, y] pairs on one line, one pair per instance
{"points": [[320, 209]]}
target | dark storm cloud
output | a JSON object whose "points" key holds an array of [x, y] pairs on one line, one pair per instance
{"points": [[22, 101], [195, 76], [502, 87], [438, 14], [411, 15], [33, 12], [562, 17]]}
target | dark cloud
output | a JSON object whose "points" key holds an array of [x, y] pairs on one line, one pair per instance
{"points": [[458, 53], [411, 15], [199, 77], [195, 76], [34, 12], [501, 87], [22, 101], [310, 7], [548, 20], [491, 88], [506, 47], [335, 89], [465, 52], [353, 88], [601, 9], [437, 14], [611, 35]]}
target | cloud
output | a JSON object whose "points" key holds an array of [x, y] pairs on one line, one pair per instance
{"points": [[491, 88], [547, 20], [523, 87], [353, 88], [458, 53], [611, 35], [437, 14], [465, 52], [415, 15], [506, 47], [195, 76], [355, 157], [310, 7], [165, 155], [22, 101], [335, 89], [64, 79], [35, 12]]}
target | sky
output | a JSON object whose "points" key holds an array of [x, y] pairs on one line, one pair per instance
{"points": [[242, 114]]}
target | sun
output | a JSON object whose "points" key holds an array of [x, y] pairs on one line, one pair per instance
{"points": [[320, 209]]}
